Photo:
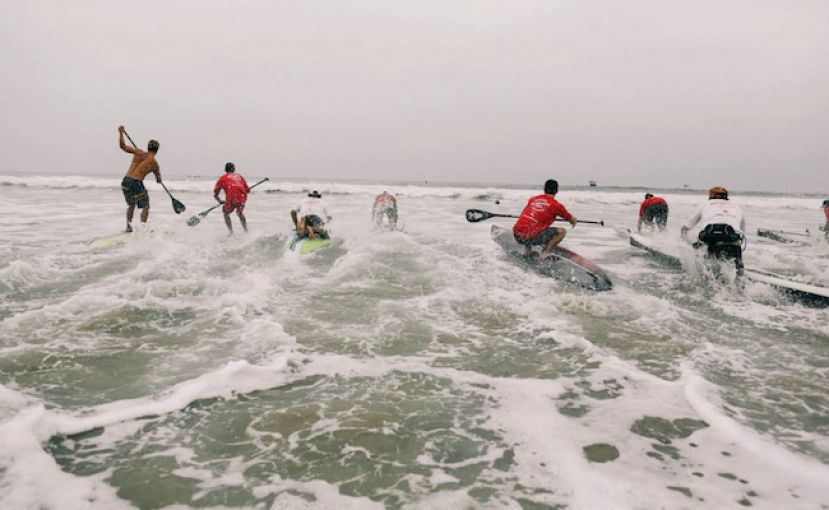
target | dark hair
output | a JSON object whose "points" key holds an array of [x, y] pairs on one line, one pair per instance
{"points": [[230, 167], [648, 195], [551, 187], [152, 146], [826, 202]]}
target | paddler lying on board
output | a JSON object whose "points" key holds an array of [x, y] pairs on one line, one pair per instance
{"points": [[724, 227], [133, 183], [653, 213], [533, 227], [310, 216], [236, 195]]}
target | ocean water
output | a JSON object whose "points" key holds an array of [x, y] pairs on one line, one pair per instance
{"points": [[418, 369]]}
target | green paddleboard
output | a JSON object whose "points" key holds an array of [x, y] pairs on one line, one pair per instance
{"points": [[103, 243], [304, 246]]}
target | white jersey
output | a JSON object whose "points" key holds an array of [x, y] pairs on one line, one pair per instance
{"points": [[718, 210], [313, 206]]}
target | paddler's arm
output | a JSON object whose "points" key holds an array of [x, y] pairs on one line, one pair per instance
{"points": [[124, 146], [692, 221], [641, 217], [216, 189], [157, 171], [565, 214]]}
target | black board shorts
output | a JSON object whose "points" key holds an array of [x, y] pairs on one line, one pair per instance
{"points": [[723, 242], [656, 213], [134, 193], [312, 220], [539, 240]]}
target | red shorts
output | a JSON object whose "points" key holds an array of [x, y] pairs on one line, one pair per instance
{"points": [[231, 205]]}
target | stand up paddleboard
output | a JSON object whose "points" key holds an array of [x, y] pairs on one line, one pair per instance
{"points": [[784, 237], [104, 243], [120, 239], [669, 254], [304, 245], [566, 265]]}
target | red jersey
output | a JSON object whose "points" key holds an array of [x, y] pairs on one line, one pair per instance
{"points": [[235, 188], [649, 202], [826, 212], [540, 213]]}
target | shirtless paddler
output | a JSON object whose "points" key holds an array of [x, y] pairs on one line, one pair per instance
{"points": [[133, 183]]}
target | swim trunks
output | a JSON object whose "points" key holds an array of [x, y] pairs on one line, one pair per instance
{"points": [[134, 193], [539, 240], [233, 205]]}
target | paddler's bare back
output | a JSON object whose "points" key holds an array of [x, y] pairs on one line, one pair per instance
{"points": [[142, 164]]}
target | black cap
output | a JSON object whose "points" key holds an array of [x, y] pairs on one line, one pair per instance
{"points": [[314, 194], [551, 187], [826, 202], [152, 146], [230, 167], [648, 195]]}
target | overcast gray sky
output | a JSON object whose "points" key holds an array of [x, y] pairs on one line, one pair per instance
{"points": [[648, 92]]}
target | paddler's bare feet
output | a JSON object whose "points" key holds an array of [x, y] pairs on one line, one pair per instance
{"points": [[545, 255], [128, 230]]}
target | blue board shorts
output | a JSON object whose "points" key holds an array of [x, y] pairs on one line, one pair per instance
{"points": [[539, 240], [134, 193]]}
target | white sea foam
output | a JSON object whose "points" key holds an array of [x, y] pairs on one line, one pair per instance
{"points": [[229, 315]]}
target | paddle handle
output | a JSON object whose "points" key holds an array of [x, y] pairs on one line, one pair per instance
{"points": [[260, 182], [130, 139], [592, 222]]}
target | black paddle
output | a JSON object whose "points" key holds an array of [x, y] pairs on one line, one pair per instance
{"points": [[178, 207], [476, 215], [195, 220]]}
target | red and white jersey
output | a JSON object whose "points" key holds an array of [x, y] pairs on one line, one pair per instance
{"points": [[235, 187], [539, 213]]}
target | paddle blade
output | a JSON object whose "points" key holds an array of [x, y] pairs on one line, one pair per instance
{"points": [[178, 207], [476, 215], [193, 221]]}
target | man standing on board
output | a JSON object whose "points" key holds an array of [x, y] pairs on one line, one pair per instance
{"points": [[236, 195], [133, 183], [533, 227], [653, 213], [724, 227], [826, 213], [384, 205]]}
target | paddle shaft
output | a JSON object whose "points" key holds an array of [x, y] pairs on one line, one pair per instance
{"points": [[496, 215]]}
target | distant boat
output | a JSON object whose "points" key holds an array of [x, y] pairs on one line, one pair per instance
{"points": [[593, 184]]}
